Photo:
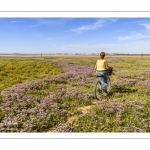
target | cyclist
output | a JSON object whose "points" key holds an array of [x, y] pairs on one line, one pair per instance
{"points": [[101, 67]]}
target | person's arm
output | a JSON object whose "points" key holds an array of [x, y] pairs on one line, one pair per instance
{"points": [[106, 64]]}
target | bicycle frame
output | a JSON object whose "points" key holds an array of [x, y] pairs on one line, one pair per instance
{"points": [[99, 87]]}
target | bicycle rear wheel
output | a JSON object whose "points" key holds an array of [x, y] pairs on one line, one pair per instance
{"points": [[98, 90]]}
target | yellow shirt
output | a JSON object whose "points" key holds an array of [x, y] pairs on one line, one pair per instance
{"points": [[100, 65]]}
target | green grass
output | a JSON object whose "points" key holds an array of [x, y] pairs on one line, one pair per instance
{"points": [[125, 109], [19, 70]]}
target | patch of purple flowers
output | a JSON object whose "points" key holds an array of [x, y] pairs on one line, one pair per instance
{"points": [[26, 112]]}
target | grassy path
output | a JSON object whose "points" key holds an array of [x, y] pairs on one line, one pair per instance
{"points": [[84, 110]]}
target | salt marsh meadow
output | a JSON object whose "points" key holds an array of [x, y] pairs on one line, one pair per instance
{"points": [[56, 94]]}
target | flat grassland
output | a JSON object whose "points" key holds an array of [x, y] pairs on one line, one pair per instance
{"points": [[55, 93]]}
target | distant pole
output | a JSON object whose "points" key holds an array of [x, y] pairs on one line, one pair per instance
{"points": [[41, 55], [142, 55]]}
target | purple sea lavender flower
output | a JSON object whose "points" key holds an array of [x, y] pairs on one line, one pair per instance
{"points": [[131, 81], [146, 83], [146, 72], [137, 129]]}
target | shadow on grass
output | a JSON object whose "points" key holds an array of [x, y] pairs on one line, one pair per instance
{"points": [[122, 90]]}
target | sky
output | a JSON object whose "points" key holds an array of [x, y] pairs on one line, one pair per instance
{"points": [[75, 35]]}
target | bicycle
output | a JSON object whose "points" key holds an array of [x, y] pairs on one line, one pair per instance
{"points": [[99, 86]]}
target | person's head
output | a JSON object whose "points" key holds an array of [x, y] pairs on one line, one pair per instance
{"points": [[102, 55]]}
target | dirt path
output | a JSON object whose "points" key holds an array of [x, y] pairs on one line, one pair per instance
{"points": [[84, 110]]}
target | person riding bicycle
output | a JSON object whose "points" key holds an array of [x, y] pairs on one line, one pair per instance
{"points": [[101, 68]]}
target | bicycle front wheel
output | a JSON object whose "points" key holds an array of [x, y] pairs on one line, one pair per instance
{"points": [[98, 90]]}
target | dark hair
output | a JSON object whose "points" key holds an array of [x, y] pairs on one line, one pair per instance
{"points": [[102, 55]]}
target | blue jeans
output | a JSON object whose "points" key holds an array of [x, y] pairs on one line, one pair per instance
{"points": [[104, 73]]}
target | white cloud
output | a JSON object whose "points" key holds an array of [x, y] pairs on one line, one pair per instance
{"points": [[94, 26], [146, 25], [134, 37], [113, 20]]}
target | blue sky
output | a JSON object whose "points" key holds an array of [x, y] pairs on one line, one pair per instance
{"points": [[75, 35]]}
